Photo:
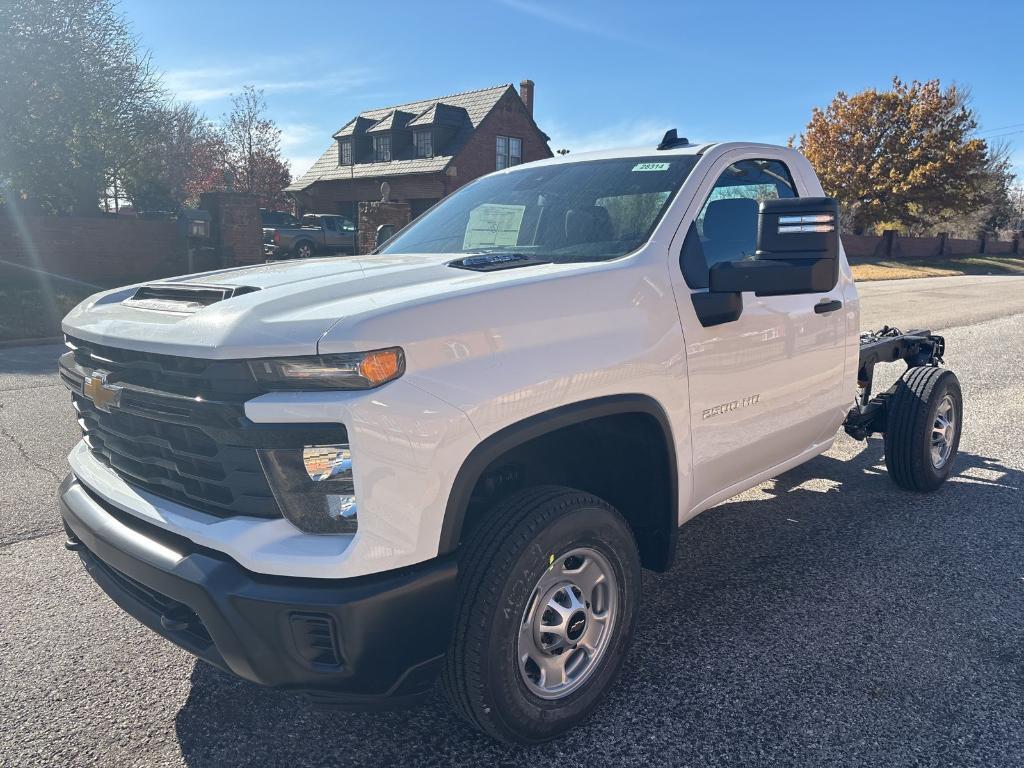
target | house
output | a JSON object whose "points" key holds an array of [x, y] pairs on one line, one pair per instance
{"points": [[424, 150]]}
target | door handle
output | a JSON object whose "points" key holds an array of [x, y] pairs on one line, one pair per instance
{"points": [[825, 305]]}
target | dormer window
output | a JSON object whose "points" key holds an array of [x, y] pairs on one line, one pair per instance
{"points": [[424, 143], [382, 148], [345, 152]]}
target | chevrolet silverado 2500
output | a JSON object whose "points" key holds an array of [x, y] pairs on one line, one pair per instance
{"points": [[451, 458]]}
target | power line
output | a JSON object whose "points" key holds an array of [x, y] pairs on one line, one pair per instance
{"points": [[1002, 135], [997, 130]]}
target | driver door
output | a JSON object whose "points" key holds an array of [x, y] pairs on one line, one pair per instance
{"points": [[764, 386]]}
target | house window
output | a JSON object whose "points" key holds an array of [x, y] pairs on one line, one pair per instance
{"points": [[424, 142], [345, 153], [382, 148], [509, 152]]}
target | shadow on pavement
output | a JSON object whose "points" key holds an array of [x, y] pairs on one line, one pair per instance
{"points": [[829, 619], [37, 359]]}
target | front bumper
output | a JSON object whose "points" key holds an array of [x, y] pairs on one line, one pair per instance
{"points": [[369, 641]]}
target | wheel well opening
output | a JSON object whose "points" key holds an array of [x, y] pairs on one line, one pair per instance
{"points": [[624, 459]]}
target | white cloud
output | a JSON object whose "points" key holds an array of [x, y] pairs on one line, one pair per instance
{"points": [[302, 144], [299, 164], [211, 83], [296, 134], [628, 133], [549, 14]]}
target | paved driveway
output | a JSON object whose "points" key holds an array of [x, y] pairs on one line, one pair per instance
{"points": [[822, 618]]}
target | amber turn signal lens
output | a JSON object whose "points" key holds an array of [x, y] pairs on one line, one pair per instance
{"points": [[380, 366]]}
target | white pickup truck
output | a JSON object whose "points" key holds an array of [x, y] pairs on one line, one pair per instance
{"points": [[451, 459]]}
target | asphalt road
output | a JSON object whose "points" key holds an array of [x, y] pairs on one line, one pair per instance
{"points": [[823, 618]]}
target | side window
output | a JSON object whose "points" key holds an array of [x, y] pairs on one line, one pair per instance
{"points": [[726, 227], [329, 223]]}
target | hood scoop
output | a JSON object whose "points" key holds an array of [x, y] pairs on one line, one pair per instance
{"points": [[492, 262], [183, 298]]}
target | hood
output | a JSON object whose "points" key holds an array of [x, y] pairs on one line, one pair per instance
{"points": [[268, 310]]}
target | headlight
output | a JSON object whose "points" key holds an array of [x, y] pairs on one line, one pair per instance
{"points": [[360, 370], [313, 486]]}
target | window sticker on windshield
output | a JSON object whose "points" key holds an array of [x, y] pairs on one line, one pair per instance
{"points": [[651, 167], [492, 225]]}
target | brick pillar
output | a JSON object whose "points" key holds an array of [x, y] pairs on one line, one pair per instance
{"points": [[888, 244], [236, 232], [379, 214]]}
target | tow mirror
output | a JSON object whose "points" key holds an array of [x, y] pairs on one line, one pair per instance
{"points": [[797, 251]]}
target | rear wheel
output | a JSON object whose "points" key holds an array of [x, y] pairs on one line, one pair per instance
{"points": [[303, 249], [923, 432], [549, 591]]}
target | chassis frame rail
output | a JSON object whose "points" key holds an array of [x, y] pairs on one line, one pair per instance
{"points": [[888, 345]]}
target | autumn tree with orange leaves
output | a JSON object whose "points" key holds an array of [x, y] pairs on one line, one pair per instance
{"points": [[903, 157]]}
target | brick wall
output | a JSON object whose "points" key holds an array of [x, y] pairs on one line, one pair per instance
{"points": [[236, 230], [93, 249], [374, 215], [917, 247], [861, 246], [892, 246], [957, 247], [999, 246]]}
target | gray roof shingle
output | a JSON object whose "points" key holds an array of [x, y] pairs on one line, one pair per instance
{"points": [[476, 104]]}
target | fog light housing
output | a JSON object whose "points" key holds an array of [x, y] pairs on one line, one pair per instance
{"points": [[313, 486]]}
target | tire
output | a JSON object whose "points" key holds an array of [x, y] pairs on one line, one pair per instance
{"points": [[303, 249], [533, 538], [917, 458]]}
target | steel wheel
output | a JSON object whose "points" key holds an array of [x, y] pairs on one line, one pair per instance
{"points": [[567, 624], [943, 432]]}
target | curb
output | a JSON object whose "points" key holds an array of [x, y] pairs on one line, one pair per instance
{"points": [[31, 342]]}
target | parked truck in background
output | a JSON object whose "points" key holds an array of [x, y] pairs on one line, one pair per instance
{"points": [[316, 234], [452, 458]]}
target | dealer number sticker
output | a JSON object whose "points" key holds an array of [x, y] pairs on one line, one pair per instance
{"points": [[651, 167]]}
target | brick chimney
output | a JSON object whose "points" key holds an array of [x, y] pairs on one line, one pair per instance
{"points": [[526, 94]]}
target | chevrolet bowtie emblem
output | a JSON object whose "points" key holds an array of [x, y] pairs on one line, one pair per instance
{"points": [[103, 395]]}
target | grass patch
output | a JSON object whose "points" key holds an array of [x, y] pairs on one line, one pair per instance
{"points": [[897, 269], [34, 310]]}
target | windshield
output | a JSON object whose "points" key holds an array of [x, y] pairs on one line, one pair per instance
{"points": [[586, 211]]}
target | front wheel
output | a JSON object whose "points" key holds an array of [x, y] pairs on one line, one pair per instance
{"points": [[922, 435], [548, 599]]}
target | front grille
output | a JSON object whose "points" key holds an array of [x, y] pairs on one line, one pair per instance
{"points": [[178, 462], [179, 430], [188, 376]]}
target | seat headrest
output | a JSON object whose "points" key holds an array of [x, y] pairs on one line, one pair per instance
{"points": [[588, 225], [731, 219]]}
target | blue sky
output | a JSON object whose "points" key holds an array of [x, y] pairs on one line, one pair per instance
{"points": [[608, 74]]}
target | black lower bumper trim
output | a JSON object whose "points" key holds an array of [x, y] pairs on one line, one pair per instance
{"points": [[366, 642]]}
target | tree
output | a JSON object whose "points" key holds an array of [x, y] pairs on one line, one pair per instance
{"points": [[904, 156], [254, 149], [74, 91], [185, 156]]}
